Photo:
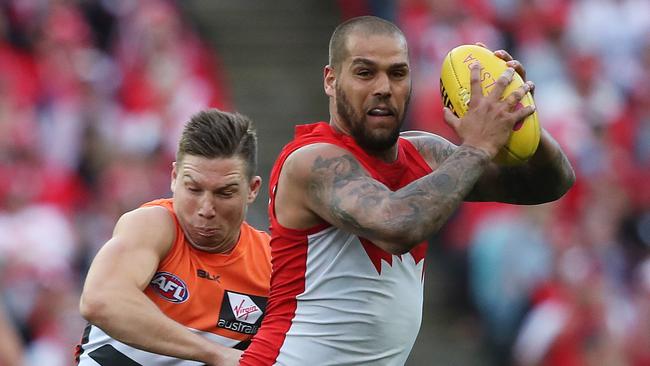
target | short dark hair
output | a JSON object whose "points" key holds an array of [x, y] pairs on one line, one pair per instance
{"points": [[367, 25], [213, 133]]}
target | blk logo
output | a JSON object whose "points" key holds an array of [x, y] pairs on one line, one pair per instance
{"points": [[170, 287], [201, 273]]}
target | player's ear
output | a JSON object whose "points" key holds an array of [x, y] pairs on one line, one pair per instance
{"points": [[174, 175], [329, 80], [254, 186]]}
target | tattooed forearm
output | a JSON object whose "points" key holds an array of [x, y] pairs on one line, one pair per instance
{"points": [[546, 177], [537, 183], [444, 183], [438, 194], [409, 215]]}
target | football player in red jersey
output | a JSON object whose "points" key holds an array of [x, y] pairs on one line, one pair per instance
{"points": [[353, 202]]}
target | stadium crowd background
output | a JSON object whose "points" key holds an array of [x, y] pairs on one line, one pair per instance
{"points": [[93, 95]]}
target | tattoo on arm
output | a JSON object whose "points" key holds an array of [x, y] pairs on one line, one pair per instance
{"points": [[444, 183], [444, 189], [537, 184], [342, 171], [543, 179], [434, 148], [367, 207]]}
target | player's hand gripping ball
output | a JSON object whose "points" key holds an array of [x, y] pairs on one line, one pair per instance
{"points": [[455, 90]]}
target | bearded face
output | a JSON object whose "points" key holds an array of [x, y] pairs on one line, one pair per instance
{"points": [[371, 136]]}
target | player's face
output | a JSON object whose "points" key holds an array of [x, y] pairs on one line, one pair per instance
{"points": [[211, 197], [372, 90]]}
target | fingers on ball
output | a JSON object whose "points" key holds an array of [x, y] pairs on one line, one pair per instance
{"points": [[518, 95], [502, 83]]}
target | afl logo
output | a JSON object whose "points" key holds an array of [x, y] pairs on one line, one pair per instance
{"points": [[170, 287]]}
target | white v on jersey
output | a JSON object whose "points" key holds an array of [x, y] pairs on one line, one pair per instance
{"points": [[348, 302]]}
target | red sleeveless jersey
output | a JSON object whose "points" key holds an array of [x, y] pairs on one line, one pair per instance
{"points": [[338, 299]]}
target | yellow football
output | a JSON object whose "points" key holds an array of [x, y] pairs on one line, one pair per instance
{"points": [[455, 90]]}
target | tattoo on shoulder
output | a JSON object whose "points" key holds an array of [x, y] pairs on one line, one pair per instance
{"points": [[443, 150], [434, 149]]}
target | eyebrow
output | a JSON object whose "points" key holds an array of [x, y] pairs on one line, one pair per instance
{"points": [[228, 186], [361, 60], [365, 61], [233, 184]]}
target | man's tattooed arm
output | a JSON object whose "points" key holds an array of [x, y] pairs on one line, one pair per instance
{"points": [[546, 177], [340, 191]]}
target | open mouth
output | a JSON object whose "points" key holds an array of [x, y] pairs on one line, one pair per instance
{"points": [[381, 112]]}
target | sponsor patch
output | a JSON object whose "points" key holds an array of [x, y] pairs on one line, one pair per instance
{"points": [[170, 287], [241, 313]]}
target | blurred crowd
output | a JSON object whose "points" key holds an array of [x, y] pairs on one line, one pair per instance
{"points": [[566, 283], [93, 95]]}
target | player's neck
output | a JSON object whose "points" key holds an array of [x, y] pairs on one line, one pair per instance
{"points": [[336, 125], [387, 155]]}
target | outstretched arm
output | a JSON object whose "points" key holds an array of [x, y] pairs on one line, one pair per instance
{"points": [[547, 176], [113, 297]]}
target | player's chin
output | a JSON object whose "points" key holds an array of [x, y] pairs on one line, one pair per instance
{"points": [[380, 139]]}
